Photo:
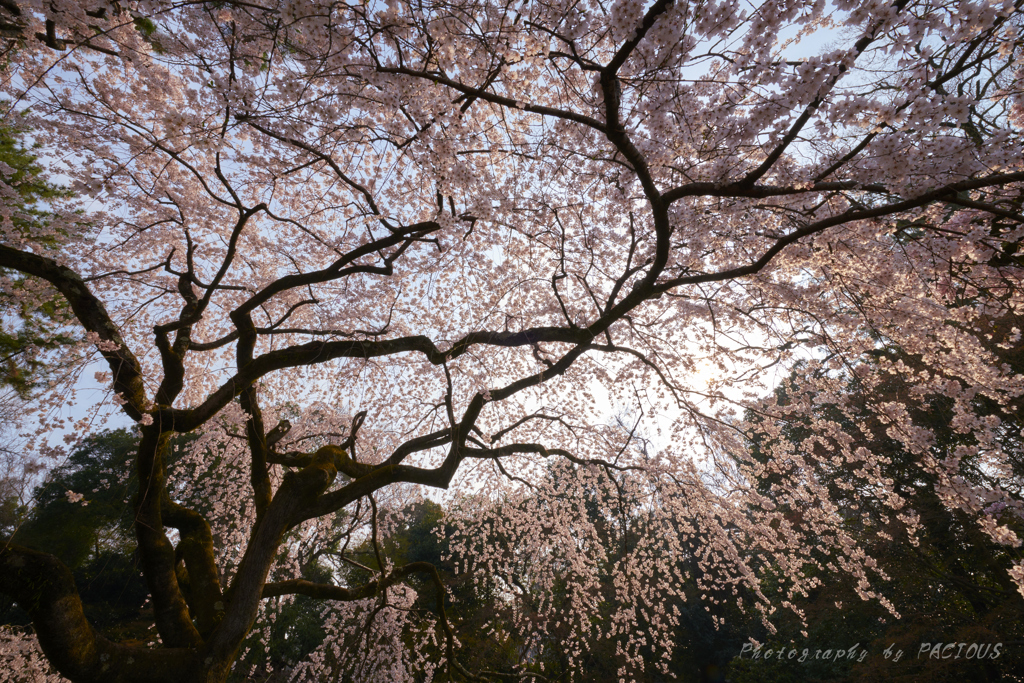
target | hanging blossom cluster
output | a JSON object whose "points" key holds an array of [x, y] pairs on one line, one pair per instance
{"points": [[349, 253], [367, 640]]}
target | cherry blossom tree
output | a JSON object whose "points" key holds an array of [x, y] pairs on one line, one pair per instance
{"points": [[364, 249]]}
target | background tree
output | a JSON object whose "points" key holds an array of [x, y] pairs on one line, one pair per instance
{"points": [[28, 326], [358, 249]]}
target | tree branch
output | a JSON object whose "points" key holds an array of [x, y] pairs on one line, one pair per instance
{"points": [[93, 316]]}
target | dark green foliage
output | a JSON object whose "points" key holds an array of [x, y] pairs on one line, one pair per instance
{"points": [[94, 540], [26, 329], [77, 531], [12, 514], [26, 178]]}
